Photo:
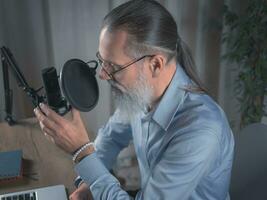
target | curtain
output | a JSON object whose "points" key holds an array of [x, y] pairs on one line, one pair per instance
{"points": [[45, 33]]}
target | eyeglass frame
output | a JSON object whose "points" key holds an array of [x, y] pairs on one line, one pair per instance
{"points": [[121, 67]]}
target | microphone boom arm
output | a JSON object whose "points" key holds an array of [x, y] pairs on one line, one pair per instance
{"points": [[8, 60]]}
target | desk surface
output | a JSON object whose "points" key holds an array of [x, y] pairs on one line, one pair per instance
{"points": [[46, 164]]}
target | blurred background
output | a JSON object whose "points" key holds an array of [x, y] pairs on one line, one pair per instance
{"points": [[45, 33]]}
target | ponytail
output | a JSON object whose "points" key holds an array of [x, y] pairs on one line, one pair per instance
{"points": [[185, 59]]}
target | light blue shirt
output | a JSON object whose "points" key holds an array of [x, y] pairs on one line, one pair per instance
{"points": [[184, 149]]}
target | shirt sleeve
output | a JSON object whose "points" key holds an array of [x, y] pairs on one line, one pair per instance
{"points": [[111, 139], [186, 160]]}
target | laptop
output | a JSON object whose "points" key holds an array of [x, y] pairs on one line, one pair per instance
{"points": [[57, 192]]}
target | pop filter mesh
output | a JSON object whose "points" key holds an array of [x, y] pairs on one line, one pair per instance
{"points": [[79, 85]]}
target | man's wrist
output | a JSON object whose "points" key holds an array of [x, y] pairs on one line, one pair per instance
{"points": [[89, 150]]}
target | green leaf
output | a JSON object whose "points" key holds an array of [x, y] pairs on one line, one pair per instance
{"points": [[246, 47]]}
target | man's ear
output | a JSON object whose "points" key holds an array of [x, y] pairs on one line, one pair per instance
{"points": [[156, 65]]}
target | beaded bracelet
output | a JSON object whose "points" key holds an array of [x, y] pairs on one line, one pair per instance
{"points": [[80, 150]]}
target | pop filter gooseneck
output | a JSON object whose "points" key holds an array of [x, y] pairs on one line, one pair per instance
{"points": [[79, 84]]}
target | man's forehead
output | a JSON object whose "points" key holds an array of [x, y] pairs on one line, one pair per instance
{"points": [[112, 44]]}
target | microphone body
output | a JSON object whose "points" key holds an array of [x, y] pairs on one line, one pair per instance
{"points": [[53, 92]]}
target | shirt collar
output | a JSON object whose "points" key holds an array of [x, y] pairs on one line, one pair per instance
{"points": [[172, 98]]}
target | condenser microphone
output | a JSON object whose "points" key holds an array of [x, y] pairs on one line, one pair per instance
{"points": [[53, 93], [77, 83]]}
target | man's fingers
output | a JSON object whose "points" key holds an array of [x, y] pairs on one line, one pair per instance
{"points": [[49, 137], [52, 114], [39, 115], [67, 134], [45, 122], [46, 130], [72, 197]]}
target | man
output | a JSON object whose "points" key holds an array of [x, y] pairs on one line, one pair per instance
{"points": [[182, 139]]}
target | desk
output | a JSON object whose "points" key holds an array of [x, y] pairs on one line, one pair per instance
{"points": [[51, 165]]}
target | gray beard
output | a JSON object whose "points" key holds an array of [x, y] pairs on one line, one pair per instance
{"points": [[132, 101]]}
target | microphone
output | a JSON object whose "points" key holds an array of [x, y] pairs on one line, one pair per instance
{"points": [[79, 85], [77, 82], [53, 93]]}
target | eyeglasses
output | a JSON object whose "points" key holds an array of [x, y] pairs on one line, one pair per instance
{"points": [[110, 68]]}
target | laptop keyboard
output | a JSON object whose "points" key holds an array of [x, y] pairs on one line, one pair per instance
{"points": [[25, 196]]}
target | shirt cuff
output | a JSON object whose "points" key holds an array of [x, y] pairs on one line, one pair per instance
{"points": [[78, 181], [90, 168]]}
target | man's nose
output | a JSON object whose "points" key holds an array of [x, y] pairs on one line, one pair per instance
{"points": [[103, 75]]}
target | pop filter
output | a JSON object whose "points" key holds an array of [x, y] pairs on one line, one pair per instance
{"points": [[79, 84]]}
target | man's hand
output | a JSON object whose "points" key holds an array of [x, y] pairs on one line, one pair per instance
{"points": [[82, 193], [67, 134]]}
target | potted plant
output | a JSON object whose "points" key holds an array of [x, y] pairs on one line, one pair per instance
{"points": [[246, 42]]}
